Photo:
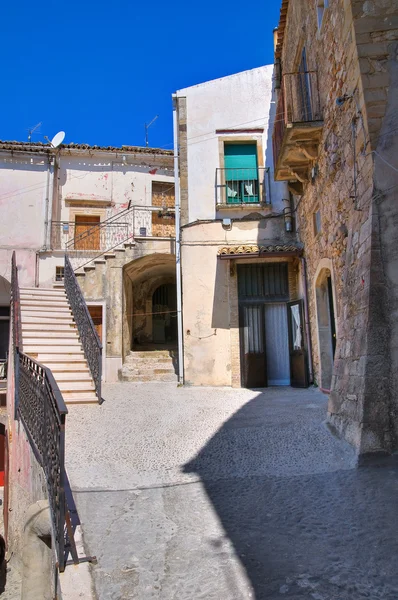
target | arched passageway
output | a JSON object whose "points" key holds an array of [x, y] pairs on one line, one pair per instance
{"points": [[150, 317], [326, 326]]}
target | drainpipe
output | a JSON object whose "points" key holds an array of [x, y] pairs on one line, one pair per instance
{"points": [[307, 319], [178, 244], [48, 207]]}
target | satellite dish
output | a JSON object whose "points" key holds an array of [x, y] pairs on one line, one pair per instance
{"points": [[58, 139]]}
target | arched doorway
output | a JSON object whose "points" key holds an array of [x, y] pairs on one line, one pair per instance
{"points": [[326, 326], [164, 317]]}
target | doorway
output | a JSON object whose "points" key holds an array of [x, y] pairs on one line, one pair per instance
{"points": [[87, 232], [326, 327], [96, 315], [164, 317], [269, 356]]}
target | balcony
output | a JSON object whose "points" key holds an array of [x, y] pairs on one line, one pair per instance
{"points": [[298, 127], [241, 187]]}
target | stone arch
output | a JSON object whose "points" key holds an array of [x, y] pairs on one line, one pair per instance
{"points": [[325, 304], [141, 278]]}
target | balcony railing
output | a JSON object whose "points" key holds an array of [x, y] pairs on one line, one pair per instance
{"points": [[138, 221], [298, 121], [240, 187]]}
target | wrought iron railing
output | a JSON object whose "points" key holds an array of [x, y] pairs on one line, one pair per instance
{"points": [[89, 339], [69, 235], [299, 102], [41, 408], [43, 413], [241, 186]]}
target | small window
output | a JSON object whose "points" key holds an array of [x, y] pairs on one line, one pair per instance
{"points": [[317, 222], [321, 5], [59, 273]]}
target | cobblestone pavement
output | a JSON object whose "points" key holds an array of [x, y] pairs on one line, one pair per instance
{"points": [[221, 494]]}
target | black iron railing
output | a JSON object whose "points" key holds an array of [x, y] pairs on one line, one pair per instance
{"points": [[41, 408], [89, 339], [240, 186], [43, 413]]}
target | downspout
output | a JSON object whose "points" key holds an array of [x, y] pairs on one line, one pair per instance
{"points": [[307, 319], [48, 205], [178, 244]]}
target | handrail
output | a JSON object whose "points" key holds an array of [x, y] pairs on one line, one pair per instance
{"points": [[40, 406], [43, 414], [90, 341]]}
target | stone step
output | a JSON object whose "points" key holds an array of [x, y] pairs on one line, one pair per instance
{"points": [[68, 327], [80, 396], [31, 298], [29, 335], [43, 291], [45, 304], [53, 318], [72, 376], [60, 366], [139, 361], [109, 255], [44, 310], [52, 342], [148, 371], [152, 354], [61, 357], [146, 378], [78, 399], [75, 386]]}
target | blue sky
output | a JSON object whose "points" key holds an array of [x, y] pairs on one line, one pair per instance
{"points": [[100, 70]]}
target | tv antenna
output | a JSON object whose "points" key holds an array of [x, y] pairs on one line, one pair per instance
{"points": [[57, 139], [147, 126], [32, 130]]}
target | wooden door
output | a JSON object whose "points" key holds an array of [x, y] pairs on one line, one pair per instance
{"points": [[253, 353], [297, 345], [87, 234], [96, 315]]}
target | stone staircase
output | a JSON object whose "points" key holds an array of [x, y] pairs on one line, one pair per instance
{"points": [[152, 365], [50, 336]]}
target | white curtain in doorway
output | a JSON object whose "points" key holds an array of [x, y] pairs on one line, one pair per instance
{"points": [[277, 344], [296, 325]]}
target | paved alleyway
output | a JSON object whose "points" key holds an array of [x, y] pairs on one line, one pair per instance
{"points": [[220, 494]]}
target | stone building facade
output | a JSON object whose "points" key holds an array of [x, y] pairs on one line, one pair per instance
{"points": [[335, 145]]}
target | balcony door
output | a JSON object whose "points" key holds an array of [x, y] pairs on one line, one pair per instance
{"points": [[87, 234], [241, 173]]}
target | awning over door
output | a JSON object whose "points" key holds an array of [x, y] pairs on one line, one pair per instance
{"points": [[254, 251]]}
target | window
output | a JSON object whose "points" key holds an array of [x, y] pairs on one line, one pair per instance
{"points": [[317, 222], [321, 5], [59, 273], [241, 173]]}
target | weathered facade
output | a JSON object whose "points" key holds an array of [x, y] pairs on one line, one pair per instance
{"points": [[335, 145], [240, 261], [107, 208]]}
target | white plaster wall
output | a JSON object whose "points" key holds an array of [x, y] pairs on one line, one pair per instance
{"points": [[243, 100], [23, 188], [112, 181]]}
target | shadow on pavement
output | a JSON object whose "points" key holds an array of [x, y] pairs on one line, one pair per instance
{"points": [[322, 535]]}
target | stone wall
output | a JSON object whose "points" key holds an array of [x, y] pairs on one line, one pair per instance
{"points": [[351, 54]]}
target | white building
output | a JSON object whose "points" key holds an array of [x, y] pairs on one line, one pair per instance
{"points": [[237, 232]]}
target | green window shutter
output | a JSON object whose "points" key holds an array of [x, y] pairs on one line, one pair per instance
{"points": [[240, 162]]}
